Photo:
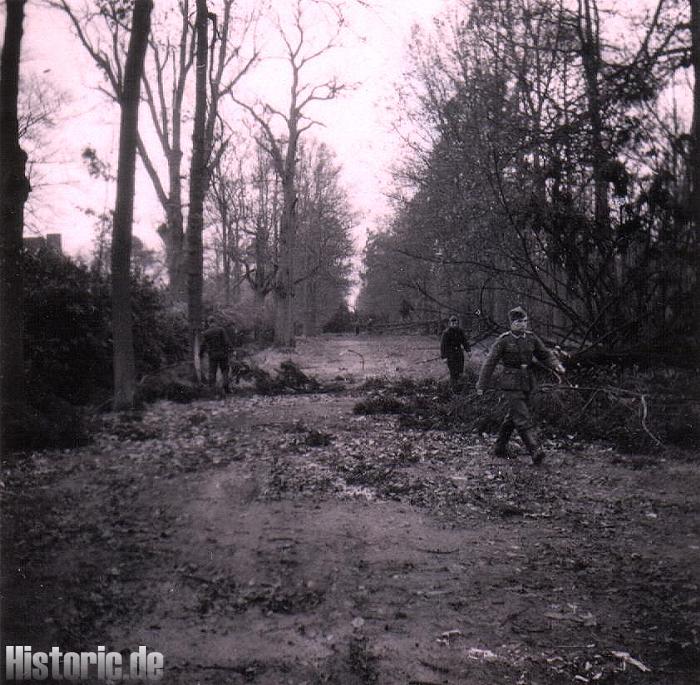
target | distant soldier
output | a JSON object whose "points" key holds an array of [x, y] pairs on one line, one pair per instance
{"points": [[217, 344], [515, 350], [406, 310], [453, 341]]}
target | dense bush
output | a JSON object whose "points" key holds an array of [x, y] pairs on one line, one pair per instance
{"points": [[67, 328], [342, 321]]}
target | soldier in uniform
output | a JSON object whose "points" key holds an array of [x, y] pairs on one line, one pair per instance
{"points": [[453, 341], [515, 350], [217, 344]]}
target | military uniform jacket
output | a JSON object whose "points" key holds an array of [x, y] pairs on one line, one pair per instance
{"points": [[452, 342], [215, 342], [516, 353]]}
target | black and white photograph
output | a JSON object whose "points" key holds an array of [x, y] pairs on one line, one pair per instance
{"points": [[350, 342]]}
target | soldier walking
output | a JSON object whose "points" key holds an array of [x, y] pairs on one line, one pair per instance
{"points": [[453, 341], [515, 350], [217, 344]]}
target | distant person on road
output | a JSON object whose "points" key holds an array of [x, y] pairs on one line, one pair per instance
{"points": [[452, 343], [515, 351], [217, 344]]}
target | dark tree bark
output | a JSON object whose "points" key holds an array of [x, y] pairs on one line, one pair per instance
{"points": [[695, 142], [124, 365], [198, 178], [695, 171], [589, 34], [14, 190]]}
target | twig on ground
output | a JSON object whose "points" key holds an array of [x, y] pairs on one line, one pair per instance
{"points": [[360, 356], [434, 667], [645, 412]]}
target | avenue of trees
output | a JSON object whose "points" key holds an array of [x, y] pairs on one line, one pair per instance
{"points": [[244, 210], [552, 169], [259, 202], [552, 160]]}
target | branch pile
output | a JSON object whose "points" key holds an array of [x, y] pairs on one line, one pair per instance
{"points": [[633, 410]]}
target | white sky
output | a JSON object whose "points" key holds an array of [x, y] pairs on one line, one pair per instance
{"points": [[357, 127]]}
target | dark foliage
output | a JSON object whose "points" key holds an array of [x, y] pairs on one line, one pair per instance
{"points": [[68, 346], [289, 378], [634, 410], [68, 350], [173, 383], [46, 421], [68, 329], [342, 321]]}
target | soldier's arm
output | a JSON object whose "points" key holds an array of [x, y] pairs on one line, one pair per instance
{"points": [[489, 365], [443, 346], [227, 340], [465, 343], [547, 357]]}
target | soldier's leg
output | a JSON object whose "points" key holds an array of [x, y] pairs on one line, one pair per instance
{"points": [[213, 365], [456, 366], [500, 449], [225, 373], [526, 428], [506, 430]]}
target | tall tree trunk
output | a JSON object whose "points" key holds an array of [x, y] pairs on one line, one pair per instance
{"points": [[311, 307], [198, 179], [122, 325], [237, 268], [174, 238], [225, 253], [590, 55], [695, 143], [14, 190], [284, 288]]}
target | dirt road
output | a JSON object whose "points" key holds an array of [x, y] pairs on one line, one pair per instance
{"points": [[285, 539]]}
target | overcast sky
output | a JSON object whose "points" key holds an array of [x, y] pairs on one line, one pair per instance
{"points": [[357, 127]]}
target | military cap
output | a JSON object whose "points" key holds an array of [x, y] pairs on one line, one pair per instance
{"points": [[516, 314]]}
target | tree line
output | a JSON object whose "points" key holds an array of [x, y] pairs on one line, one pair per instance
{"points": [[551, 168], [265, 212]]}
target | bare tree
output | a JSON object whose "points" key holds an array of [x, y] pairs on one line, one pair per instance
{"points": [[539, 181], [122, 330], [198, 177], [14, 190], [260, 262], [283, 149], [103, 29], [228, 211], [165, 93], [325, 247], [40, 101], [165, 100]]}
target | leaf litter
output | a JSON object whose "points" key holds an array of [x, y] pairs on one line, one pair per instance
{"points": [[557, 560]]}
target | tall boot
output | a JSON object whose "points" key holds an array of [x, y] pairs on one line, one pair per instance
{"points": [[533, 447], [501, 447]]}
